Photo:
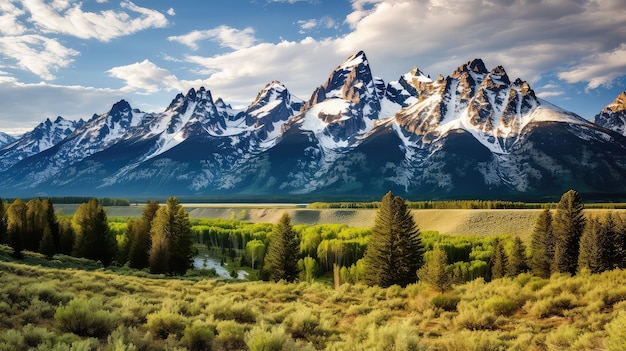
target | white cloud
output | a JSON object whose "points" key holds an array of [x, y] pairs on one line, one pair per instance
{"points": [[224, 35], [64, 17], [171, 12], [37, 54], [300, 65], [9, 23], [314, 23], [147, 78], [598, 70], [550, 94], [31, 103]]}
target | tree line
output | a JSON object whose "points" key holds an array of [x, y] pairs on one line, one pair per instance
{"points": [[395, 252], [161, 240]]}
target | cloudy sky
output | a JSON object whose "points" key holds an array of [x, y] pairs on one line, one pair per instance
{"points": [[76, 58]]}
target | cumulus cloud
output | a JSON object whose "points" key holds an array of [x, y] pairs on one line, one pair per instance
{"points": [[300, 65], [147, 78], [67, 17], [37, 54], [224, 35], [598, 70], [528, 39], [171, 12]]}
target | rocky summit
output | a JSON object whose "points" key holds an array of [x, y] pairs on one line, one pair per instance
{"points": [[476, 133]]}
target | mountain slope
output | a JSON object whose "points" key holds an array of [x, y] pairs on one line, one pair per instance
{"points": [[44, 136], [613, 116], [476, 133]]}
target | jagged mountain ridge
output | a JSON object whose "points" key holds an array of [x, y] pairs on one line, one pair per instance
{"points": [[474, 133], [613, 116]]}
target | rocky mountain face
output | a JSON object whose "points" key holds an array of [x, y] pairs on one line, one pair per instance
{"points": [[476, 133], [613, 116], [41, 138], [6, 139]]}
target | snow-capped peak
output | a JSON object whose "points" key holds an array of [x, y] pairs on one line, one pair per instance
{"points": [[613, 116]]}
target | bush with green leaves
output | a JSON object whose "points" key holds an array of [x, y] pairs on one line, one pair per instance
{"points": [[199, 336], [272, 338], [164, 323], [446, 302], [230, 336], [85, 317]]}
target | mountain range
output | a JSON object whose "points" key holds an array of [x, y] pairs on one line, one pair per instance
{"points": [[473, 134]]}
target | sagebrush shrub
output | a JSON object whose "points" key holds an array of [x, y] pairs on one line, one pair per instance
{"points": [[163, 323], [85, 317], [446, 302]]}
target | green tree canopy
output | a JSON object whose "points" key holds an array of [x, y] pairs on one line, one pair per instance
{"points": [[16, 226], [394, 251], [91, 229], [499, 260], [542, 245], [435, 270], [281, 259], [596, 245], [172, 244], [255, 251], [568, 226], [139, 236]]}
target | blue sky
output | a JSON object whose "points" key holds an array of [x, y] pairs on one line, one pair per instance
{"points": [[76, 58]]}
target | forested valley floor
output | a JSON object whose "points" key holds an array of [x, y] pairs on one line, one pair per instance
{"points": [[143, 283]]}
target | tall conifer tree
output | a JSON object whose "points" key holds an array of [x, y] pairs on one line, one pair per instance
{"points": [[516, 262], [139, 235], [568, 226], [394, 251], [596, 245], [93, 239], [172, 245], [281, 259], [542, 245], [498, 260]]}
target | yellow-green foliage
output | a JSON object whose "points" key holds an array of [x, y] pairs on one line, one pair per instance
{"points": [[61, 309]]}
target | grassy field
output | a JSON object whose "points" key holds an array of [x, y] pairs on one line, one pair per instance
{"points": [[54, 308]]}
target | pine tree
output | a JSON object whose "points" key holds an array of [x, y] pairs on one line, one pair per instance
{"points": [[568, 226], [596, 246], [498, 260], [394, 251], [93, 240], [16, 226], [281, 259], [542, 245], [46, 246], [51, 222], [172, 245], [516, 262], [435, 270], [139, 235], [619, 242]]}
